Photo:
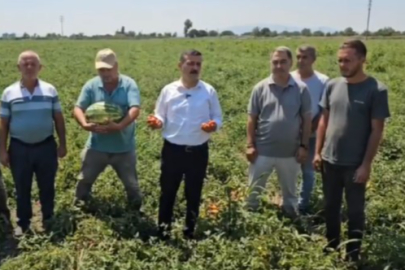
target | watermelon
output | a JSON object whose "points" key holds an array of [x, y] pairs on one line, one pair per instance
{"points": [[102, 113]]}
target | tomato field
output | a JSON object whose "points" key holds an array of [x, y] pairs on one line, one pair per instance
{"points": [[109, 236]]}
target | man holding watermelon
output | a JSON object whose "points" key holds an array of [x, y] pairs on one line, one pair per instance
{"points": [[187, 111], [111, 142]]}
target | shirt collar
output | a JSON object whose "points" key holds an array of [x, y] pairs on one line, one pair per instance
{"points": [[291, 81], [37, 84], [100, 82], [179, 83]]}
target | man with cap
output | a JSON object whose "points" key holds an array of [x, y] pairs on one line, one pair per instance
{"points": [[113, 143]]}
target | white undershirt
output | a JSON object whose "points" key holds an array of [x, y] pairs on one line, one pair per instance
{"points": [[183, 111]]}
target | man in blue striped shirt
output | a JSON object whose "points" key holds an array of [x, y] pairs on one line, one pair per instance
{"points": [[30, 109]]}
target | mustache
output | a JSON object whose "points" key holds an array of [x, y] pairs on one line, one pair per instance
{"points": [[194, 72]]}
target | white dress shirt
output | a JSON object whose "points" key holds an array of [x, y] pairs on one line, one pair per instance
{"points": [[183, 111]]}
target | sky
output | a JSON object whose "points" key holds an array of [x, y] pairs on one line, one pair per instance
{"points": [[106, 16]]}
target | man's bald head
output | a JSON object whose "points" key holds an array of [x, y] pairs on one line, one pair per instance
{"points": [[28, 54], [29, 64]]}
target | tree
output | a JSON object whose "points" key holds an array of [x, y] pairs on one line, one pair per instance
{"points": [[202, 33], [227, 33], [193, 33], [306, 32], [349, 32], [265, 32], [256, 31], [318, 33], [213, 33], [187, 25]]}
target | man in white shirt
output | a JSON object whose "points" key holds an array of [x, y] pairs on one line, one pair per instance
{"points": [[187, 111], [315, 81]]}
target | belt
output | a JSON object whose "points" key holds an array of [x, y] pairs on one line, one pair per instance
{"points": [[187, 148], [48, 139]]}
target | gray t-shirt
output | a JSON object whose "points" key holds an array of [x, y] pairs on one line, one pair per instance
{"points": [[279, 112], [351, 108]]}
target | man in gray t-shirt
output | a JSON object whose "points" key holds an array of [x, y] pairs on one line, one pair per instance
{"points": [[355, 107], [279, 127]]}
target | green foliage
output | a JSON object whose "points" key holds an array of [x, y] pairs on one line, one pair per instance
{"points": [[109, 236]]}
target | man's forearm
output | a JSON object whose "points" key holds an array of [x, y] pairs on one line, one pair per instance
{"points": [[60, 128], [251, 130], [79, 116], [132, 115], [3, 135], [321, 131], [372, 147]]}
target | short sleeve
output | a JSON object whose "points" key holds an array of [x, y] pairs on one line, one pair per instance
{"points": [[5, 110], [379, 106], [305, 102], [325, 102], [84, 99], [56, 106], [161, 106], [134, 99], [254, 102]]}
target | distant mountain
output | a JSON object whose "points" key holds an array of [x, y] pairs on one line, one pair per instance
{"points": [[276, 27]]}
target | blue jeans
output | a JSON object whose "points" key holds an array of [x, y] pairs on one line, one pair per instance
{"points": [[308, 177]]}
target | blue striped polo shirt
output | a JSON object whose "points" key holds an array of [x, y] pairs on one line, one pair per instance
{"points": [[30, 115]]}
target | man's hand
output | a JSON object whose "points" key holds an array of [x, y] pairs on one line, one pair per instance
{"points": [[154, 122], [317, 162], [62, 151], [91, 127], [4, 159], [111, 127], [101, 129], [251, 153], [210, 126], [302, 154], [362, 174]]}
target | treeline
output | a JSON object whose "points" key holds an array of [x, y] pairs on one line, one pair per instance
{"points": [[190, 32]]}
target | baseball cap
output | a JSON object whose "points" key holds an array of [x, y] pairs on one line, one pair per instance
{"points": [[105, 58]]}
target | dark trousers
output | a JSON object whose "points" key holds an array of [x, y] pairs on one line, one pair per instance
{"points": [[178, 161], [26, 160], [337, 179]]}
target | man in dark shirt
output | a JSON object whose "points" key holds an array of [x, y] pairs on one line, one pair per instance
{"points": [[355, 107]]}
